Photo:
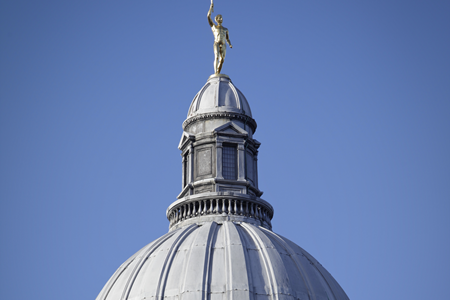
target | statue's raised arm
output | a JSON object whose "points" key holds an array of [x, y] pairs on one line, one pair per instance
{"points": [[211, 9]]}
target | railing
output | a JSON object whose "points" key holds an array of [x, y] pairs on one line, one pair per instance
{"points": [[225, 206]]}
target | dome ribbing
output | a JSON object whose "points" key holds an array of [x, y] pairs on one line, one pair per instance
{"points": [[219, 95], [222, 261]]}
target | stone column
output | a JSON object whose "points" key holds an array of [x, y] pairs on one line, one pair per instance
{"points": [[255, 176], [219, 160], [184, 173], [191, 163], [241, 162]]}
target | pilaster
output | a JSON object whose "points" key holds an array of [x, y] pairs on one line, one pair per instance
{"points": [[219, 160], [256, 170], [241, 162], [191, 167]]}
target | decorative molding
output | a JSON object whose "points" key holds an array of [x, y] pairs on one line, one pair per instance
{"points": [[222, 181], [230, 128], [203, 190], [230, 189], [185, 137], [207, 116], [185, 191]]}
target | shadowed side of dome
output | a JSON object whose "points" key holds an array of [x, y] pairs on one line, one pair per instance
{"points": [[219, 95], [221, 261]]}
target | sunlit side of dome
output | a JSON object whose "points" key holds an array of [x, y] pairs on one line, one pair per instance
{"points": [[221, 261]]}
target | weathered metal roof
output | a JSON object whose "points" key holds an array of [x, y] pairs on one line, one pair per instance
{"points": [[227, 260], [219, 94]]}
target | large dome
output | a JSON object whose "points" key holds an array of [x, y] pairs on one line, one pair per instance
{"points": [[222, 260], [219, 95]]}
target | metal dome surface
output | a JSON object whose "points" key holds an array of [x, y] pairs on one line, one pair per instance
{"points": [[219, 95], [227, 260]]}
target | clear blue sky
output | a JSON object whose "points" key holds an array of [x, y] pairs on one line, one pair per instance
{"points": [[352, 101]]}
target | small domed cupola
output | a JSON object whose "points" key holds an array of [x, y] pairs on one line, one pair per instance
{"points": [[219, 160]]}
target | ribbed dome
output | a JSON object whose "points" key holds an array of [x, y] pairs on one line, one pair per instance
{"points": [[219, 95], [225, 260]]}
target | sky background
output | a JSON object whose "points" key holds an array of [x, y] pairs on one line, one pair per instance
{"points": [[352, 101]]}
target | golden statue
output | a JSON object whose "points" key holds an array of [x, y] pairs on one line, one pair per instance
{"points": [[220, 39]]}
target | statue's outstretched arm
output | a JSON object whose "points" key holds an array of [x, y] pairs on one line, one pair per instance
{"points": [[210, 21]]}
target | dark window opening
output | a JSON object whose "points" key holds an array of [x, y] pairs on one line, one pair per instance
{"points": [[229, 162]]}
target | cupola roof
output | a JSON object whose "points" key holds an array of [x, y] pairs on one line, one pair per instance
{"points": [[219, 94]]}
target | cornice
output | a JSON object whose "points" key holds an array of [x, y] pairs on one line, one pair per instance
{"points": [[229, 115]]}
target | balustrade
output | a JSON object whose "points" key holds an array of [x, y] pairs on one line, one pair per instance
{"points": [[223, 206]]}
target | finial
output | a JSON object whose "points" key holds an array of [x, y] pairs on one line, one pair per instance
{"points": [[221, 38]]}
